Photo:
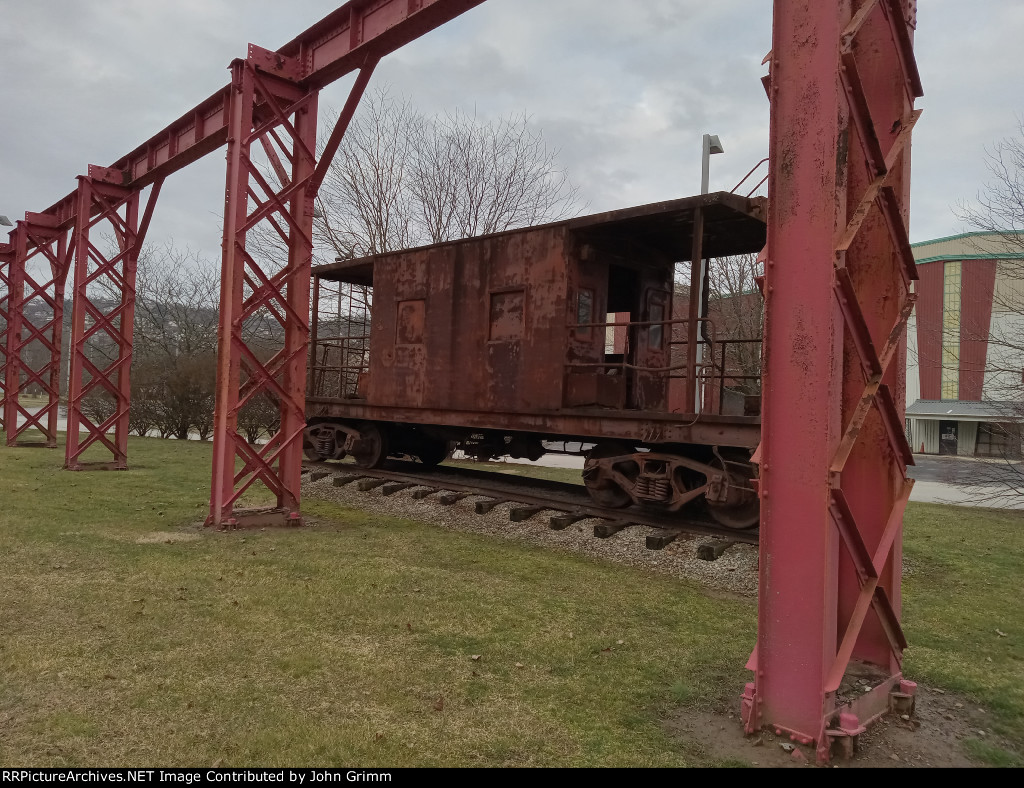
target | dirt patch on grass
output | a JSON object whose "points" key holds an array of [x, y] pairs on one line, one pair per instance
{"points": [[167, 537], [935, 736]]}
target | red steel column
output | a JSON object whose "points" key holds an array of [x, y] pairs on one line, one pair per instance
{"points": [[39, 239], [266, 106], [102, 201], [225, 421], [6, 258], [802, 368], [297, 331], [833, 457], [12, 350], [60, 266]]}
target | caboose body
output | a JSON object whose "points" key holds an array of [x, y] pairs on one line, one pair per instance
{"points": [[573, 331]]}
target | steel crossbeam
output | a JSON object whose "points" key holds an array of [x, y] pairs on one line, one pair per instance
{"points": [[34, 316], [103, 316], [833, 453]]}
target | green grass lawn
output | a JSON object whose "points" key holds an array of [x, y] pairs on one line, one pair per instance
{"points": [[132, 637], [31, 401], [962, 611]]}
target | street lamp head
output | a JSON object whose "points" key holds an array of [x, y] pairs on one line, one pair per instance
{"points": [[714, 144], [6, 222]]}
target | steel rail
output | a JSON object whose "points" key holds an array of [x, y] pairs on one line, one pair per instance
{"points": [[553, 496]]}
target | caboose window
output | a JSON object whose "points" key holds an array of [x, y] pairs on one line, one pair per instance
{"points": [[584, 310], [656, 332], [507, 316], [411, 320]]}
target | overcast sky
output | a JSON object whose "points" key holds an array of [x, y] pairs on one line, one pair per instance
{"points": [[624, 89]]}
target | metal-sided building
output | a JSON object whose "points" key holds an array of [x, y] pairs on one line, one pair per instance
{"points": [[965, 360]]}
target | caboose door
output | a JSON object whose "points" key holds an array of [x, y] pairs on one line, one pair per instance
{"points": [[651, 343]]}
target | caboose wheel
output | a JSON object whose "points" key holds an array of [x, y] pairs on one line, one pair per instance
{"points": [[611, 496], [432, 452], [309, 445], [323, 442], [742, 509], [372, 447], [738, 517], [603, 490]]}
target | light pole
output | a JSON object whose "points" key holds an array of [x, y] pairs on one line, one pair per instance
{"points": [[711, 145]]}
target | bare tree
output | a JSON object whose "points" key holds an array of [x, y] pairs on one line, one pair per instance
{"points": [[259, 417], [175, 343], [365, 205], [174, 359], [472, 177], [1000, 205], [736, 307], [177, 310], [403, 179]]}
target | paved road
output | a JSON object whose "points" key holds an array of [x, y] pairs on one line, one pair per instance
{"points": [[968, 482]]}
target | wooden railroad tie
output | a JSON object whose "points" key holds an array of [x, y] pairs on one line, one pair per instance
{"points": [[608, 530], [341, 481], [560, 522], [391, 489], [316, 476], [370, 484], [419, 495], [448, 499], [520, 514], [485, 507], [661, 541], [712, 551]]}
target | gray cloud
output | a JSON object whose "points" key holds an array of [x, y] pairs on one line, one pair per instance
{"points": [[624, 90]]}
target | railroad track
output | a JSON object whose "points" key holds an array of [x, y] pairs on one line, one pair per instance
{"points": [[529, 497]]}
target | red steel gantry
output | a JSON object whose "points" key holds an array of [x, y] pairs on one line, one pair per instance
{"points": [[833, 456]]}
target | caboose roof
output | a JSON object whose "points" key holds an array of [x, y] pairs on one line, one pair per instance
{"points": [[732, 225]]}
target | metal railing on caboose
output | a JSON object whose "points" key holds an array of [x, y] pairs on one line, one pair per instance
{"points": [[339, 355], [339, 367], [727, 371]]}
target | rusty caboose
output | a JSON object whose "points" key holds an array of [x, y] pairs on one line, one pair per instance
{"points": [[576, 333]]}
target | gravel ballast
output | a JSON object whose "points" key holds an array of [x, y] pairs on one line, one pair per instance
{"points": [[735, 572]]}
